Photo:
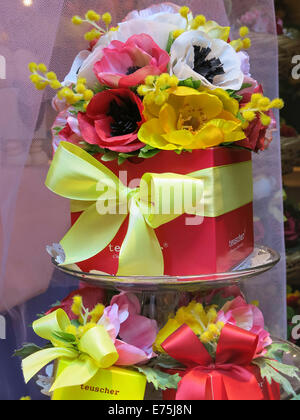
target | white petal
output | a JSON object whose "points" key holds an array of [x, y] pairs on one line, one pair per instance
{"points": [[71, 78]]}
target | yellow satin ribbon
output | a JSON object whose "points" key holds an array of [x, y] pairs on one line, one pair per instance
{"points": [[92, 187], [94, 351]]}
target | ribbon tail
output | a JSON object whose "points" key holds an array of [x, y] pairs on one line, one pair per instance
{"points": [[193, 386], [91, 234], [79, 372], [37, 361], [242, 385], [141, 252]]}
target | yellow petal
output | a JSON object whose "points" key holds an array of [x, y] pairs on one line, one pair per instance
{"points": [[151, 133], [229, 103], [168, 118], [231, 130], [216, 31], [185, 91], [209, 136], [225, 115], [171, 326], [210, 105], [179, 137]]}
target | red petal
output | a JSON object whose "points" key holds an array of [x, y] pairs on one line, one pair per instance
{"points": [[87, 129]]}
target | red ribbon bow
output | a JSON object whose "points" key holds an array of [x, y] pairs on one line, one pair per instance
{"points": [[229, 377]]}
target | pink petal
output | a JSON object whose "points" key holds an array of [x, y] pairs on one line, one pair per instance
{"points": [[127, 299], [130, 355], [139, 331], [138, 77]]}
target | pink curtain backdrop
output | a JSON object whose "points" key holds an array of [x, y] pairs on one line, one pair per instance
{"points": [[30, 216]]}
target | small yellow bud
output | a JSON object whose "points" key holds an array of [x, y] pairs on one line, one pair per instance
{"points": [[265, 120], [80, 88], [244, 31], [107, 18], [277, 103], [71, 329], [173, 81], [77, 20], [35, 78], [88, 95], [114, 29], [263, 103], [245, 125], [93, 16], [249, 115], [255, 303], [247, 43], [150, 98], [150, 80], [184, 11], [25, 399], [32, 67], [213, 329], [92, 35], [199, 20], [143, 90], [237, 44], [51, 75], [41, 85], [255, 98], [206, 337], [42, 68], [82, 80], [177, 33], [55, 84], [77, 305], [160, 99]]}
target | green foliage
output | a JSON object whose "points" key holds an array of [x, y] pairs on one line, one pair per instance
{"points": [[64, 337], [194, 84], [159, 379], [28, 349]]}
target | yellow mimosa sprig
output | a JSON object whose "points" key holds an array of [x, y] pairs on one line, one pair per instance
{"points": [[77, 93], [243, 42], [42, 78], [91, 17], [155, 89], [260, 105], [87, 319]]}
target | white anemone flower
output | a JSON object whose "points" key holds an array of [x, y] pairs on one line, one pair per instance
{"points": [[212, 61]]}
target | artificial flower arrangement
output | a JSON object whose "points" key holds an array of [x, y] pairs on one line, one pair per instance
{"points": [[167, 98], [110, 352]]}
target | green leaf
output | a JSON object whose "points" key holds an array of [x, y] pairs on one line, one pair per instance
{"points": [[64, 337], [194, 84], [28, 349], [278, 372], [277, 350], [147, 154], [109, 156], [220, 301], [170, 42], [246, 86], [58, 129], [121, 160], [159, 379], [166, 362], [290, 313]]}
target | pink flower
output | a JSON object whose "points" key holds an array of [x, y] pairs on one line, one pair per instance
{"points": [[128, 64], [248, 317], [136, 333], [70, 132], [112, 120], [91, 296]]}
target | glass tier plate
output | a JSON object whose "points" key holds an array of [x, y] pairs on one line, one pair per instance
{"points": [[260, 261]]}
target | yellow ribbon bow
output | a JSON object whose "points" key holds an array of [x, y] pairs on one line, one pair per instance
{"points": [[95, 350], [98, 193]]}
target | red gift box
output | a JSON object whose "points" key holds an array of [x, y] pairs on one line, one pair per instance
{"points": [[216, 245]]}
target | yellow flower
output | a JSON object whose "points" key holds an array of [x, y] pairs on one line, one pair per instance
{"points": [[189, 119], [203, 321], [215, 31]]}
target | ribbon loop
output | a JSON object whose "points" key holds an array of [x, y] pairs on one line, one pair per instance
{"points": [[94, 351]]}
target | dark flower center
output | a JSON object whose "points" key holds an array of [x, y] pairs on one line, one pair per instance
{"points": [[125, 115], [132, 70], [207, 68]]}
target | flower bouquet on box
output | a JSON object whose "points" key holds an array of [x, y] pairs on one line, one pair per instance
{"points": [[109, 353], [156, 123]]}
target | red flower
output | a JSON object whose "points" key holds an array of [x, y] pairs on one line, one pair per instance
{"points": [[112, 120], [258, 135], [91, 296], [128, 64]]}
